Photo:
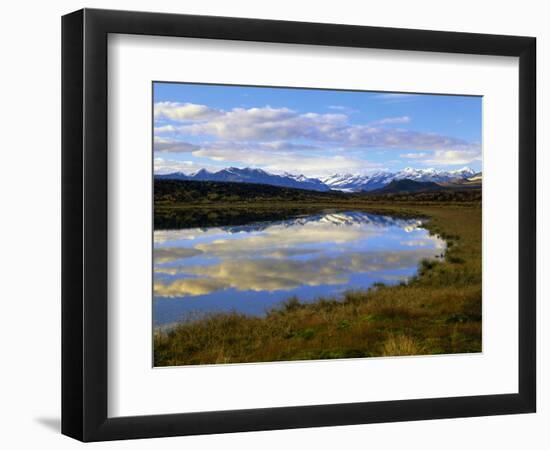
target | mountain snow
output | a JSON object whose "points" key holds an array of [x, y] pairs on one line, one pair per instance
{"points": [[340, 182], [376, 180]]}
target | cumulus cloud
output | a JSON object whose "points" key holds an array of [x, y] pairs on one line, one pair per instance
{"points": [[183, 111], [172, 146], [276, 124], [267, 124], [164, 166], [275, 157], [368, 136], [285, 146], [282, 139], [163, 129], [453, 157], [284, 157]]}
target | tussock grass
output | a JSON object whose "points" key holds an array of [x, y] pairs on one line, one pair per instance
{"points": [[436, 312], [401, 345]]}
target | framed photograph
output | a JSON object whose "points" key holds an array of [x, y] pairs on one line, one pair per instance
{"points": [[273, 224]]}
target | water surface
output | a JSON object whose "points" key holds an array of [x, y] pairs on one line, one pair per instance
{"points": [[252, 268]]}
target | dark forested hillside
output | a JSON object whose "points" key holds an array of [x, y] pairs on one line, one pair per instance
{"points": [[211, 192], [407, 186], [183, 192]]}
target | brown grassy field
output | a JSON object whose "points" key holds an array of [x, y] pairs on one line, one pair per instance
{"points": [[436, 312]]}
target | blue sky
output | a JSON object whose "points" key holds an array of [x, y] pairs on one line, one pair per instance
{"points": [[310, 131]]}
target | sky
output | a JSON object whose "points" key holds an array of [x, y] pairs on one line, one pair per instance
{"points": [[313, 132]]}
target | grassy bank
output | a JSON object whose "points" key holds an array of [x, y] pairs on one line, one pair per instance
{"points": [[439, 311]]}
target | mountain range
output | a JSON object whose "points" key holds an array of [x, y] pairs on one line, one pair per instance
{"points": [[248, 175], [377, 180], [340, 182]]}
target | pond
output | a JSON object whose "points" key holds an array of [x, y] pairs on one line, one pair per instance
{"points": [[252, 268]]}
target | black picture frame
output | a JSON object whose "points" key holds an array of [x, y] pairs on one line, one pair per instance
{"points": [[84, 224]]}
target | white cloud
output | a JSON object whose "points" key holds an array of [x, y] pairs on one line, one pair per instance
{"points": [[284, 146], [164, 166], [275, 124], [267, 124], [453, 157], [413, 155], [172, 146], [162, 129], [161, 165], [392, 120], [282, 157], [369, 136], [183, 111], [281, 139]]}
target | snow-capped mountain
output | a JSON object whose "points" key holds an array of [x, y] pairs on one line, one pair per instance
{"points": [[248, 175], [345, 183], [377, 180]]}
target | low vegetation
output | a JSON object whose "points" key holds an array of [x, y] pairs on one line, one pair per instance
{"points": [[187, 204], [175, 193], [436, 312]]}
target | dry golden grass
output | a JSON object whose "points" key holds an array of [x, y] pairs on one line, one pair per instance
{"points": [[401, 345]]}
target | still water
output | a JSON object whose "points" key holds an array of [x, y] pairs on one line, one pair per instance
{"points": [[251, 268]]}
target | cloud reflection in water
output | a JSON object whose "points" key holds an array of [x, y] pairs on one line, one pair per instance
{"points": [[266, 263]]}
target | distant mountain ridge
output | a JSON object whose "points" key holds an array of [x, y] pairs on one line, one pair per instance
{"points": [[377, 180], [407, 186], [248, 175], [338, 182]]}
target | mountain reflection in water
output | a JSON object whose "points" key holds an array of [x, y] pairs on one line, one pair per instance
{"points": [[251, 268]]}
